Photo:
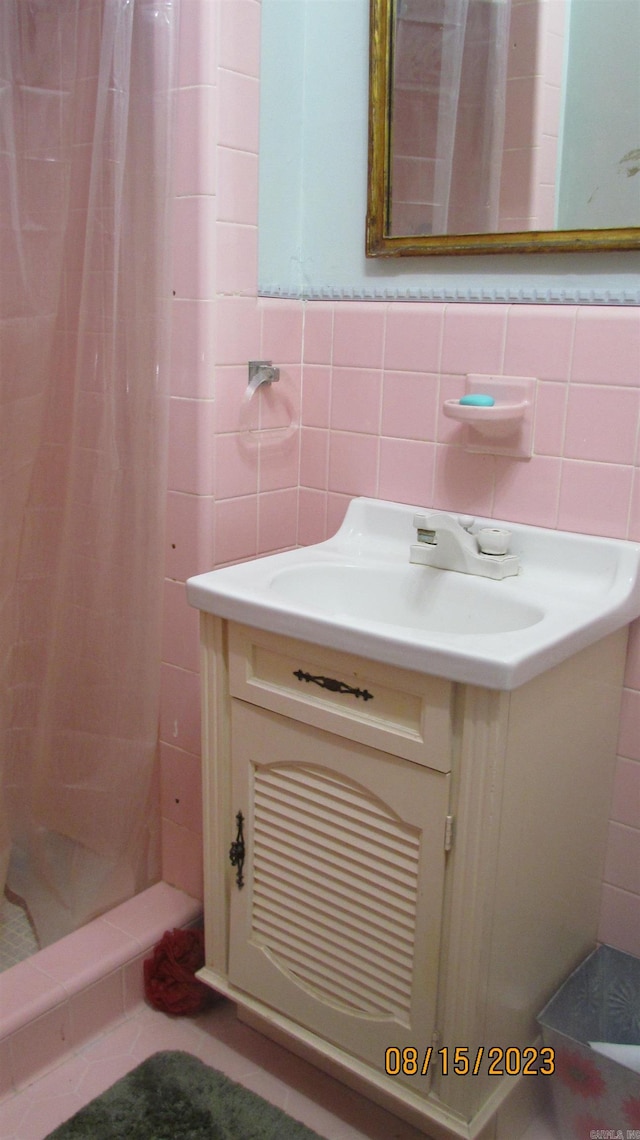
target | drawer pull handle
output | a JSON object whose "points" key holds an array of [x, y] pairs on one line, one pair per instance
{"points": [[236, 851], [333, 685]]}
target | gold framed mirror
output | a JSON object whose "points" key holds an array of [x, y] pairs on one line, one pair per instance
{"points": [[432, 196]]}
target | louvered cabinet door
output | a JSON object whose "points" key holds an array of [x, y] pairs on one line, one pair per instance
{"points": [[338, 922]]}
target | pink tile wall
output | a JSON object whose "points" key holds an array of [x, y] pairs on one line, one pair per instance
{"points": [[365, 381], [234, 465], [52, 1003], [584, 473]]}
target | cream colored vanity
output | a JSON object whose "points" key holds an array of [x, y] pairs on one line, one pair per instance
{"points": [[398, 862]]}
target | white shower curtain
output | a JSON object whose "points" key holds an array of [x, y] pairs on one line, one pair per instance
{"points": [[471, 118], [85, 130], [450, 83]]}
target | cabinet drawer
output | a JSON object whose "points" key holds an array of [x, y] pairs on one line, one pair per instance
{"points": [[398, 711]]}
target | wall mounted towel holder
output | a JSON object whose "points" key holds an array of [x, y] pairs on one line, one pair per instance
{"points": [[262, 372]]}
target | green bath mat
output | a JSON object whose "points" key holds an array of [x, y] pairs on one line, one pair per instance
{"points": [[174, 1096]]}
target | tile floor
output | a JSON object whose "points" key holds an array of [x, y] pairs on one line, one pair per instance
{"points": [[17, 937], [220, 1040]]}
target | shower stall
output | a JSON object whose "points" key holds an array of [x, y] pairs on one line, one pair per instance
{"points": [[85, 192]]}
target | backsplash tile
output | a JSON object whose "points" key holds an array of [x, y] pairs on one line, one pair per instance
{"points": [[236, 530], [602, 423], [353, 463], [358, 336], [237, 330], [463, 481], [550, 417], [236, 467], [279, 462], [356, 397], [407, 469], [277, 520], [539, 341], [474, 339], [410, 405], [315, 403], [607, 346], [413, 338], [281, 338], [530, 490], [595, 498], [318, 333]]}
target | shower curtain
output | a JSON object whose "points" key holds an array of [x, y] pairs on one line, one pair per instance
{"points": [[452, 57], [85, 132], [471, 117]]}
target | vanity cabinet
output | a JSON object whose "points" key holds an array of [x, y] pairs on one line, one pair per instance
{"points": [[344, 876], [397, 861]]}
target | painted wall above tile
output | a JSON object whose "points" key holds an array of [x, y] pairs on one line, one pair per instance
{"points": [[313, 186]]}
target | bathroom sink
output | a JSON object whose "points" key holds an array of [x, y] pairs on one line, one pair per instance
{"points": [[414, 596], [358, 592]]}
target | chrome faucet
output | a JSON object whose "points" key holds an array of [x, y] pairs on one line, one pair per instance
{"points": [[444, 543]]}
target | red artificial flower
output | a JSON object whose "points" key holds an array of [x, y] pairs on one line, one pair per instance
{"points": [[579, 1073], [170, 984]]}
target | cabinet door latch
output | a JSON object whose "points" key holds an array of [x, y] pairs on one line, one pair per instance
{"points": [[448, 832], [237, 851]]}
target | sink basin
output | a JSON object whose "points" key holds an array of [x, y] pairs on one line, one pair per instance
{"points": [[358, 592], [414, 596]]}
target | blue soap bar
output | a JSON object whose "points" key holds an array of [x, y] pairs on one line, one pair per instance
{"points": [[478, 400]]}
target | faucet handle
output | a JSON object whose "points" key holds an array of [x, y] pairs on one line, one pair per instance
{"points": [[428, 518], [426, 533], [424, 524], [493, 540]]}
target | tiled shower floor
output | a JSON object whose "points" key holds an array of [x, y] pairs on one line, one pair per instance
{"points": [[220, 1040], [17, 938]]}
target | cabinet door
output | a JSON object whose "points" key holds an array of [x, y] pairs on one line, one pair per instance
{"points": [[337, 924]]}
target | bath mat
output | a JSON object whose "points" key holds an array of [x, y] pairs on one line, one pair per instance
{"points": [[174, 1096]]}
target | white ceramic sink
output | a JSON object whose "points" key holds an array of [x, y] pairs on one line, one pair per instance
{"points": [[358, 592], [405, 595]]}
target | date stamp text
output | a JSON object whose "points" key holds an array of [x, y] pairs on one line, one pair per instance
{"points": [[496, 1061]]}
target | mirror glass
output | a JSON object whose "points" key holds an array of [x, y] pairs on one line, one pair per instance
{"points": [[503, 126]]}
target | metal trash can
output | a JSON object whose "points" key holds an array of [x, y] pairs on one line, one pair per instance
{"points": [[596, 1091]]}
